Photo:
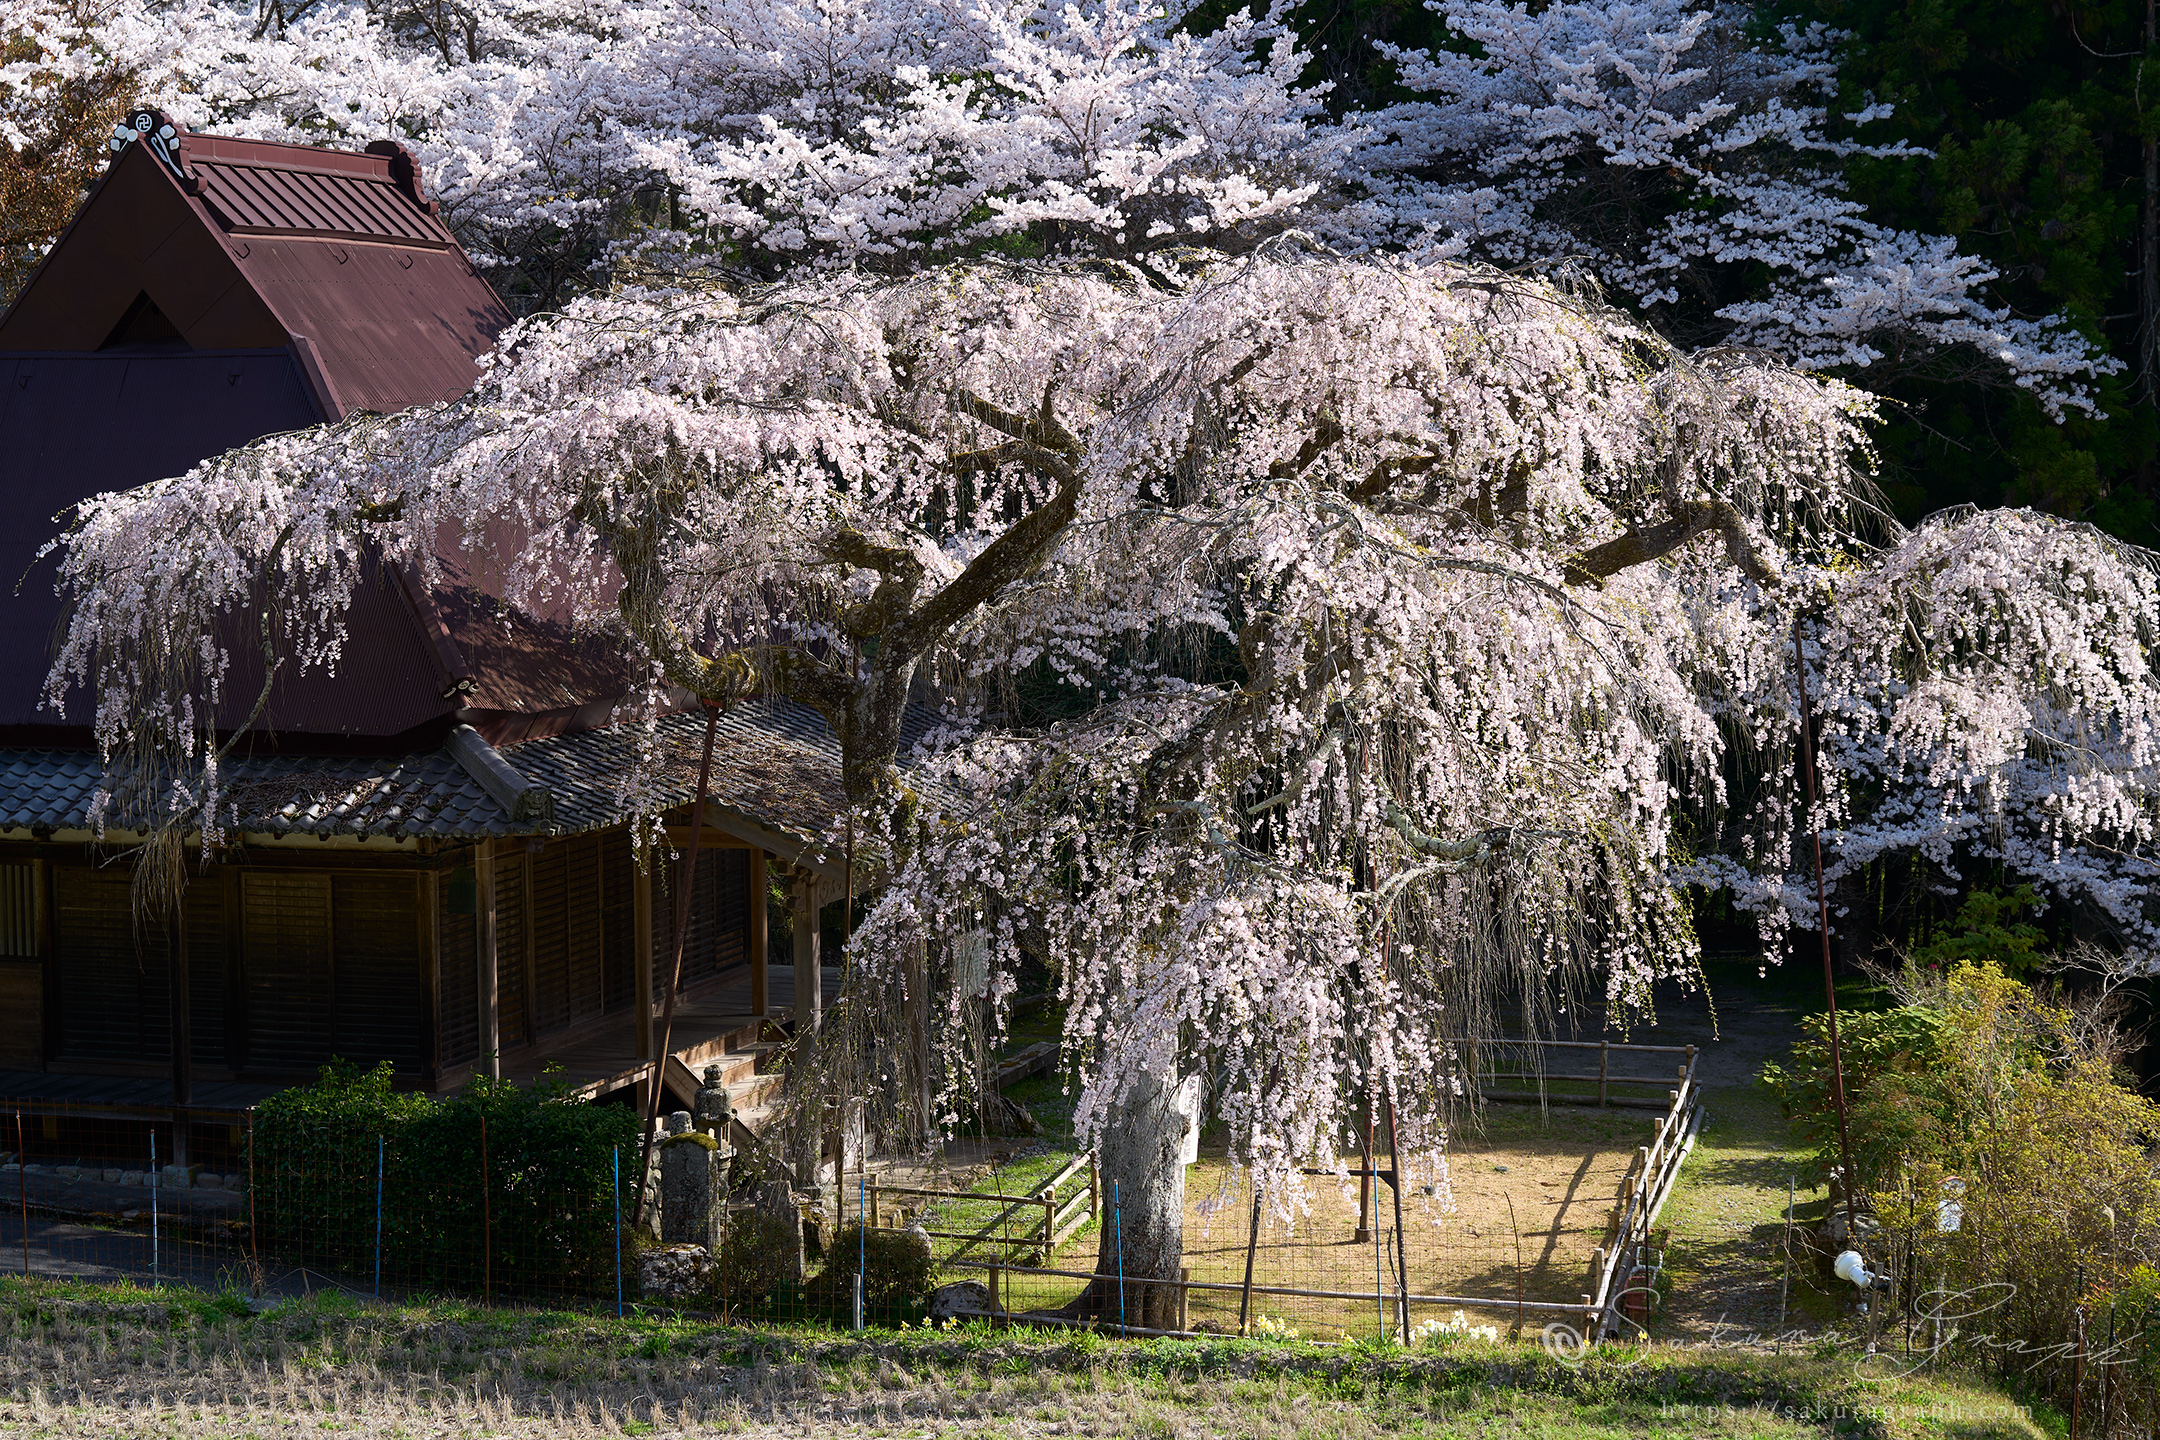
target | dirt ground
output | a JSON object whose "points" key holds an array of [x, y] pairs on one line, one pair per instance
{"points": [[1527, 1199], [1522, 1207]]}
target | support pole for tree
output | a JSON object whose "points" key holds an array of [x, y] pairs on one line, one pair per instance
{"points": [[1252, 1246], [1402, 1248], [1822, 909], [682, 931], [1363, 1235]]}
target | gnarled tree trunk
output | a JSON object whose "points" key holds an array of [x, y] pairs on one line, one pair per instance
{"points": [[1142, 1169]]}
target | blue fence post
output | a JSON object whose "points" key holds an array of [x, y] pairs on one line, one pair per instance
{"points": [[378, 1215], [618, 1232], [155, 1275], [1117, 1217]]}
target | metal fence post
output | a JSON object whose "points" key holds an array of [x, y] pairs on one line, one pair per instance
{"points": [[156, 1277], [378, 1215], [1252, 1246], [618, 1232]]}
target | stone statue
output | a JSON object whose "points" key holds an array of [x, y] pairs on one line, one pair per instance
{"points": [[713, 1109]]}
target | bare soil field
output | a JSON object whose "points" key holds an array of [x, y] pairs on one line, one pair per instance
{"points": [[1524, 1202]]}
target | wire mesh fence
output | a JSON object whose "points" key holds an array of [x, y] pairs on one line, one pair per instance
{"points": [[507, 1197], [97, 1196]]}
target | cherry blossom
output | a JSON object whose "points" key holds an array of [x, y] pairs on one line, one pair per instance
{"points": [[1416, 619], [1662, 141]]}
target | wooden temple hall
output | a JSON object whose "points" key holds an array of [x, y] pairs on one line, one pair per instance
{"points": [[432, 866]]}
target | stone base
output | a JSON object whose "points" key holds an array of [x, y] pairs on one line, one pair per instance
{"points": [[964, 1300], [676, 1274]]}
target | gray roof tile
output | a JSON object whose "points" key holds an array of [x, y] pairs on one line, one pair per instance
{"points": [[774, 763]]}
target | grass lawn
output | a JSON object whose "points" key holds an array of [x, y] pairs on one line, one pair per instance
{"points": [[126, 1363], [1723, 1229]]}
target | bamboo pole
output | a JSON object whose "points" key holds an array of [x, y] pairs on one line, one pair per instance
{"points": [[1822, 908], [682, 930]]}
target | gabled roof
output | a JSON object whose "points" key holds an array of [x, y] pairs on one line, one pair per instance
{"points": [[211, 291], [337, 256]]}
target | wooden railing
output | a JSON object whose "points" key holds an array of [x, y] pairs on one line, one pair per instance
{"points": [[1533, 1079], [1051, 1219], [1642, 1195]]}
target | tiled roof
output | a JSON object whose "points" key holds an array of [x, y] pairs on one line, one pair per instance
{"points": [[410, 795], [775, 764]]}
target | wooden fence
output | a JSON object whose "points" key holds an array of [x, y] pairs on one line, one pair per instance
{"points": [[1620, 1297], [1050, 1219], [1609, 1074]]}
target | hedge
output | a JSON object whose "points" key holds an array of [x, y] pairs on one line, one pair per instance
{"points": [[537, 1215]]}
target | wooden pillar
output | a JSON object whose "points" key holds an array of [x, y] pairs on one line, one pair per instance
{"points": [[183, 1036], [236, 1010], [809, 984], [528, 907], [642, 984], [176, 991], [490, 996], [41, 902], [431, 971], [759, 940]]}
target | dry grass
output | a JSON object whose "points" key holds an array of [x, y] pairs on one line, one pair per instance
{"points": [[77, 1362]]}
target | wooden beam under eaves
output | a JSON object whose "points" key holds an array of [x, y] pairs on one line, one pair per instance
{"points": [[713, 839]]}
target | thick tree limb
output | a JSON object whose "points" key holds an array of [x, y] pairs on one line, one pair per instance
{"points": [[1326, 433], [1387, 472], [1691, 518], [1042, 429], [1012, 556], [1011, 452], [1015, 554]]}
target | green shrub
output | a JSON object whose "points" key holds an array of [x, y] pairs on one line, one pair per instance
{"points": [[898, 1275], [533, 1213], [1894, 1098], [1990, 929], [1983, 1089], [758, 1255]]}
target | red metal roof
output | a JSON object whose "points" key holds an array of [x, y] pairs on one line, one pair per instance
{"points": [[273, 196], [293, 284], [336, 255]]}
